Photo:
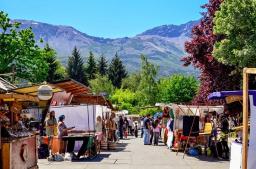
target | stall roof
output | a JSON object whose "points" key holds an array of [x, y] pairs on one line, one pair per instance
{"points": [[5, 85], [18, 97], [32, 90], [224, 94], [92, 99], [72, 86]]}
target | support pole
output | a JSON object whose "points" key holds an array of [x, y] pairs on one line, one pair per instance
{"points": [[190, 132], [245, 119]]}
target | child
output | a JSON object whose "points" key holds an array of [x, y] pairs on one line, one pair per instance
{"points": [[156, 131]]}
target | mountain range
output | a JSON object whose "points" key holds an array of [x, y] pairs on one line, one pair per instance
{"points": [[163, 45]]}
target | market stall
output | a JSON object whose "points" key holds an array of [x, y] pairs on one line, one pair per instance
{"points": [[236, 146], [81, 109], [18, 143], [193, 126]]}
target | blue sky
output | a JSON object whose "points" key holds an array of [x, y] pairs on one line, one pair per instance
{"points": [[106, 18]]}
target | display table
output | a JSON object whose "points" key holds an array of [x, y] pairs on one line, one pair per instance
{"points": [[19, 153], [236, 156]]}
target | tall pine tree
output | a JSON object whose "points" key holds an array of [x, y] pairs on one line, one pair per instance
{"points": [[50, 56], [91, 67], [75, 67], [55, 68], [102, 65], [116, 71]]}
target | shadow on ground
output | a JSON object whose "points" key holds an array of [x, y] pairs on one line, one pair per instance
{"points": [[97, 158], [119, 147], [210, 159]]}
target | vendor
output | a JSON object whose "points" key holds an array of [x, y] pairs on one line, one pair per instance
{"points": [[51, 127], [62, 131], [19, 124]]}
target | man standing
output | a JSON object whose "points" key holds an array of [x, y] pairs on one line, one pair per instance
{"points": [[147, 130]]}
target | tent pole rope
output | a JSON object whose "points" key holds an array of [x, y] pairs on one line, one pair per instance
{"points": [[191, 128]]}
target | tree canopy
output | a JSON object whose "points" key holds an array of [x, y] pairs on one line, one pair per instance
{"points": [[148, 82], [19, 50], [91, 67], [236, 23], [214, 76], [116, 71], [177, 89], [75, 67], [132, 82], [102, 65], [125, 100], [56, 71], [101, 84]]}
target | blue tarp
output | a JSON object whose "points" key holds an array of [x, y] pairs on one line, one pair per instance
{"points": [[157, 114]]}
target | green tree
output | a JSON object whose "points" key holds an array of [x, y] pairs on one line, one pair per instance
{"points": [[101, 84], [91, 67], [148, 84], [116, 71], [75, 67], [54, 72], [125, 100], [131, 82], [18, 49], [235, 24], [102, 65], [151, 111], [177, 89]]}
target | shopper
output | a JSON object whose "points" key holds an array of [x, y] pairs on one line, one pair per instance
{"points": [[142, 126], [156, 131], [146, 130], [169, 127], [151, 131], [126, 127], [121, 127]]}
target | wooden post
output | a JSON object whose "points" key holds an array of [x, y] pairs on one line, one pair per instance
{"points": [[245, 119]]}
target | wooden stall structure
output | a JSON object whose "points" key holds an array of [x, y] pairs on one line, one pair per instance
{"points": [[78, 95], [19, 150], [194, 129], [246, 160], [246, 73], [19, 145]]}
